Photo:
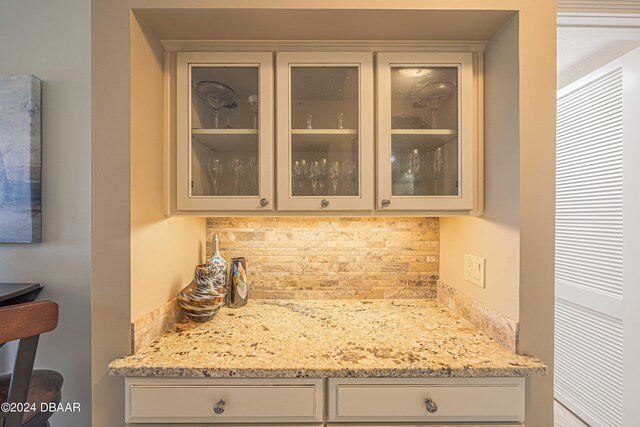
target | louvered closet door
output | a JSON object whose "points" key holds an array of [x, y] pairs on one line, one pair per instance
{"points": [[589, 247]]}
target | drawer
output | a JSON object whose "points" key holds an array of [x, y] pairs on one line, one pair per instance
{"points": [[193, 400], [404, 400]]}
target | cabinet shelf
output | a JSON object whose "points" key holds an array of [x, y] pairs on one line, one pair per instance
{"points": [[440, 132], [423, 139], [224, 131], [324, 131], [227, 140], [322, 140]]}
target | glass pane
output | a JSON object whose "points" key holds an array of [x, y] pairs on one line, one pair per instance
{"points": [[424, 131], [224, 135], [324, 134]]}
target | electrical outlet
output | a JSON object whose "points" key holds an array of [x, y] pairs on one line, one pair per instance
{"points": [[474, 267]]}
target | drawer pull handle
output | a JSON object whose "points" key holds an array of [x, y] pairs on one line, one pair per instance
{"points": [[218, 408], [432, 407]]}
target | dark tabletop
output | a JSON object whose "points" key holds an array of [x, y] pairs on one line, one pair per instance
{"points": [[18, 293]]}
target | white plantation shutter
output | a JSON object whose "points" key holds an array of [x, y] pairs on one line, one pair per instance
{"points": [[589, 281]]}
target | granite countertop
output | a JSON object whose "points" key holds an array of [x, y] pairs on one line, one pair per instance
{"points": [[328, 339]]}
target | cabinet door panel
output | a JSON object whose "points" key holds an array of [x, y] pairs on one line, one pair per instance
{"points": [[159, 401], [435, 400], [325, 131], [224, 131], [425, 131]]}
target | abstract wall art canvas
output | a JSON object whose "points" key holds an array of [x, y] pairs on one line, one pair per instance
{"points": [[20, 159]]}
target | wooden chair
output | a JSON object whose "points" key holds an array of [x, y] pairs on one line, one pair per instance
{"points": [[25, 322]]}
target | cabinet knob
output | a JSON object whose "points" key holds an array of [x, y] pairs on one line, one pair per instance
{"points": [[432, 407], [264, 202], [218, 408], [324, 203], [385, 203]]}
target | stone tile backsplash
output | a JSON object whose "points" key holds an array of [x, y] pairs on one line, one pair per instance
{"points": [[333, 258]]}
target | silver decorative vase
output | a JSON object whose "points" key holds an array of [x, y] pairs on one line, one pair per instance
{"points": [[217, 266], [202, 298]]}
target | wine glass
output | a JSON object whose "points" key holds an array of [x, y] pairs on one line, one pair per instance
{"points": [[230, 107], [334, 176], [299, 174], [314, 175], [349, 172], [218, 95], [437, 167], [353, 171], [416, 162], [215, 169], [396, 167], [433, 96], [322, 177], [252, 168], [253, 106], [237, 169]]}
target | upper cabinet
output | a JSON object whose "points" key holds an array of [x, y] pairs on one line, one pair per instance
{"points": [[404, 142], [425, 131], [224, 125], [324, 127]]}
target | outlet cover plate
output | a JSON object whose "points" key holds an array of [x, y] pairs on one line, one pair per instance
{"points": [[474, 267]]}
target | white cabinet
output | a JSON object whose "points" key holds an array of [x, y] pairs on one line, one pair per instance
{"points": [[426, 136], [224, 131], [355, 133], [325, 131], [300, 401]]}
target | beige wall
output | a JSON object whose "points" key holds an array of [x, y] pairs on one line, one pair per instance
{"points": [[164, 250], [111, 228], [110, 209], [537, 199], [496, 235], [516, 234], [52, 41]]}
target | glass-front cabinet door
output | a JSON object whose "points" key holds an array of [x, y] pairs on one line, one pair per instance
{"points": [[224, 131], [325, 131], [425, 132]]}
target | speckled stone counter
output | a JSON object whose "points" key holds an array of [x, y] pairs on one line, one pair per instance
{"points": [[328, 339]]}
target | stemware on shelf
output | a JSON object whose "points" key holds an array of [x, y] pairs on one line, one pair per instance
{"points": [[216, 170], [333, 174], [218, 95], [314, 176], [411, 168], [299, 175], [340, 123], [230, 107], [416, 162], [437, 168], [238, 169], [252, 168], [322, 176], [349, 172], [309, 121], [433, 96]]}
